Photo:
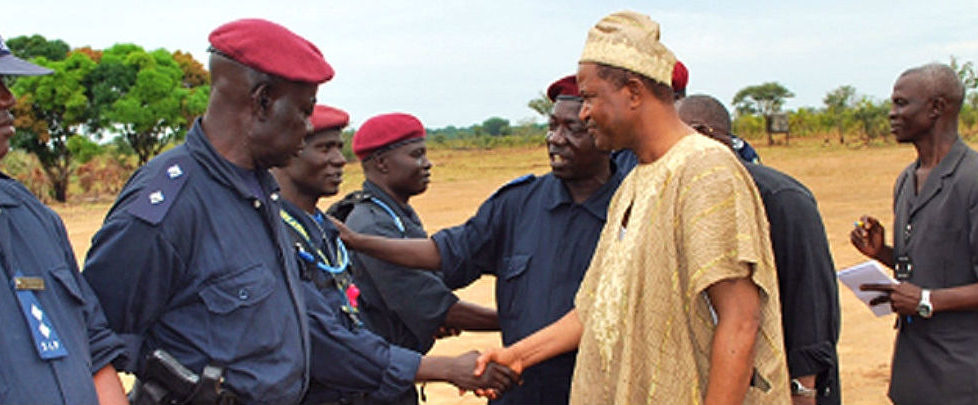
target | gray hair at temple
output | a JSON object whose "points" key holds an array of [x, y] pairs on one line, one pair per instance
{"points": [[940, 81]]}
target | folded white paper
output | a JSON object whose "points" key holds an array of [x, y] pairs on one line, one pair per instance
{"points": [[870, 272]]}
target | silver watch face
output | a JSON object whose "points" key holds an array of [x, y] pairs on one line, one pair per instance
{"points": [[925, 310]]}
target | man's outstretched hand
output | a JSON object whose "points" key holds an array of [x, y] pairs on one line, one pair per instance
{"points": [[492, 380], [495, 359]]}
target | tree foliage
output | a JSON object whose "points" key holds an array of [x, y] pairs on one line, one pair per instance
{"points": [[541, 105], [52, 109], [496, 126], [764, 99], [36, 46], [144, 97], [838, 108]]}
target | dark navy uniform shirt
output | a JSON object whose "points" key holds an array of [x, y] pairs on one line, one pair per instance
{"points": [[405, 306], [538, 243], [346, 359], [806, 279], [33, 241], [190, 260]]}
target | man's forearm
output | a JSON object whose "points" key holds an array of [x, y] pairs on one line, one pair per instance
{"points": [[419, 253], [737, 304], [468, 316], [962, 298], [731, 361], [433, 368], [108, 387], [559, 337]]}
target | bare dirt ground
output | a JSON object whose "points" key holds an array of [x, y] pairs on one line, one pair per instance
{"points": [[847, 182]]}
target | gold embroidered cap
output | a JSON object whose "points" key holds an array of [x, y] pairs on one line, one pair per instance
{"points": [[630, 40]]}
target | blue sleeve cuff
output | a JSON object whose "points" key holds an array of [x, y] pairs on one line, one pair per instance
{"points": [[107, 348], [399, 375]]}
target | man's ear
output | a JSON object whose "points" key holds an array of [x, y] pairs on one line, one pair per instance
{"points": [[261, 101], [634, 87], [380, 163], [938, 106]]}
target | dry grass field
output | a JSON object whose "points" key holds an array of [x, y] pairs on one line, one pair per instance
{"points": [[848, 182]]}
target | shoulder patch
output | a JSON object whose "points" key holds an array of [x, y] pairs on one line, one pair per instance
{"points": [[342, 208], [156, 198], [526, 178]]}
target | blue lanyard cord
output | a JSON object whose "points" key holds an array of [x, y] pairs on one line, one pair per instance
{"points": [[341, 256], [397, 220]]}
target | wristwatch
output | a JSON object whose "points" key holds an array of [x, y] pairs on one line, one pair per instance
{"points": [[800, 390], [924, 307]]}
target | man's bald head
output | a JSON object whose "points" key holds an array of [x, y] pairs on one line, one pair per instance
{"points": [[701, 109], [939, 80]]}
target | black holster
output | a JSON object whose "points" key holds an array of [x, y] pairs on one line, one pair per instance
{"points": [[167, 382]]}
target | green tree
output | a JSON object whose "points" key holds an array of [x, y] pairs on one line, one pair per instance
{"points": [[52, 109], [839, 104], [804, 121], [764, 99], [871, 116], [36, 46], [496, 126], [541, 105], [969, 77], [142, 96]]}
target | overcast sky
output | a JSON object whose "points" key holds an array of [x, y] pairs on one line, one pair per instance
{"points": [[460, 62]]}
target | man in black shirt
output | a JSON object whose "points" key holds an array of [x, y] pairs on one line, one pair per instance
{"points": [[806, 274]]}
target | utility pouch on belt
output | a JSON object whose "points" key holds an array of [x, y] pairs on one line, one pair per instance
{"points": [[167, 382]]}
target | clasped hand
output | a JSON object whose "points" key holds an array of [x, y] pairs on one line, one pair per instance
{"points": [[485, 379]]}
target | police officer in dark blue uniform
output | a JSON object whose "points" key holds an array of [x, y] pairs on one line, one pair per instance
{"points": [[348, 360], [407, 307], [193, 258], [536, 235], [57, 347]]}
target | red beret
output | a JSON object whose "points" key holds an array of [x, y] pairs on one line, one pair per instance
{"points": [[271, 48], [566, 86], [680, 77], [384, 130], [326, 117]]}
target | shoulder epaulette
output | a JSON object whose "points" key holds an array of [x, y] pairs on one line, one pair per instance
{"points": [[526, 178], [342, 208], [162, 189]]}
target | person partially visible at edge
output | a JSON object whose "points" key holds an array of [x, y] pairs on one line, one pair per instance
{"points": [[934, 254], [57, 347], [806, 275], [680, 79], [193, 257], [407, 307], [349, 362], [535, 234], [681, 298]]}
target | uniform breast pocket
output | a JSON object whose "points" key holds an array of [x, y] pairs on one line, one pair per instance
{"points": [[511, 286], [241, 289], [237, 305]]}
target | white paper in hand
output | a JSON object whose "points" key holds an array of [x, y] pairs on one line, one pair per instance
{"points": [[868, 273]]}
